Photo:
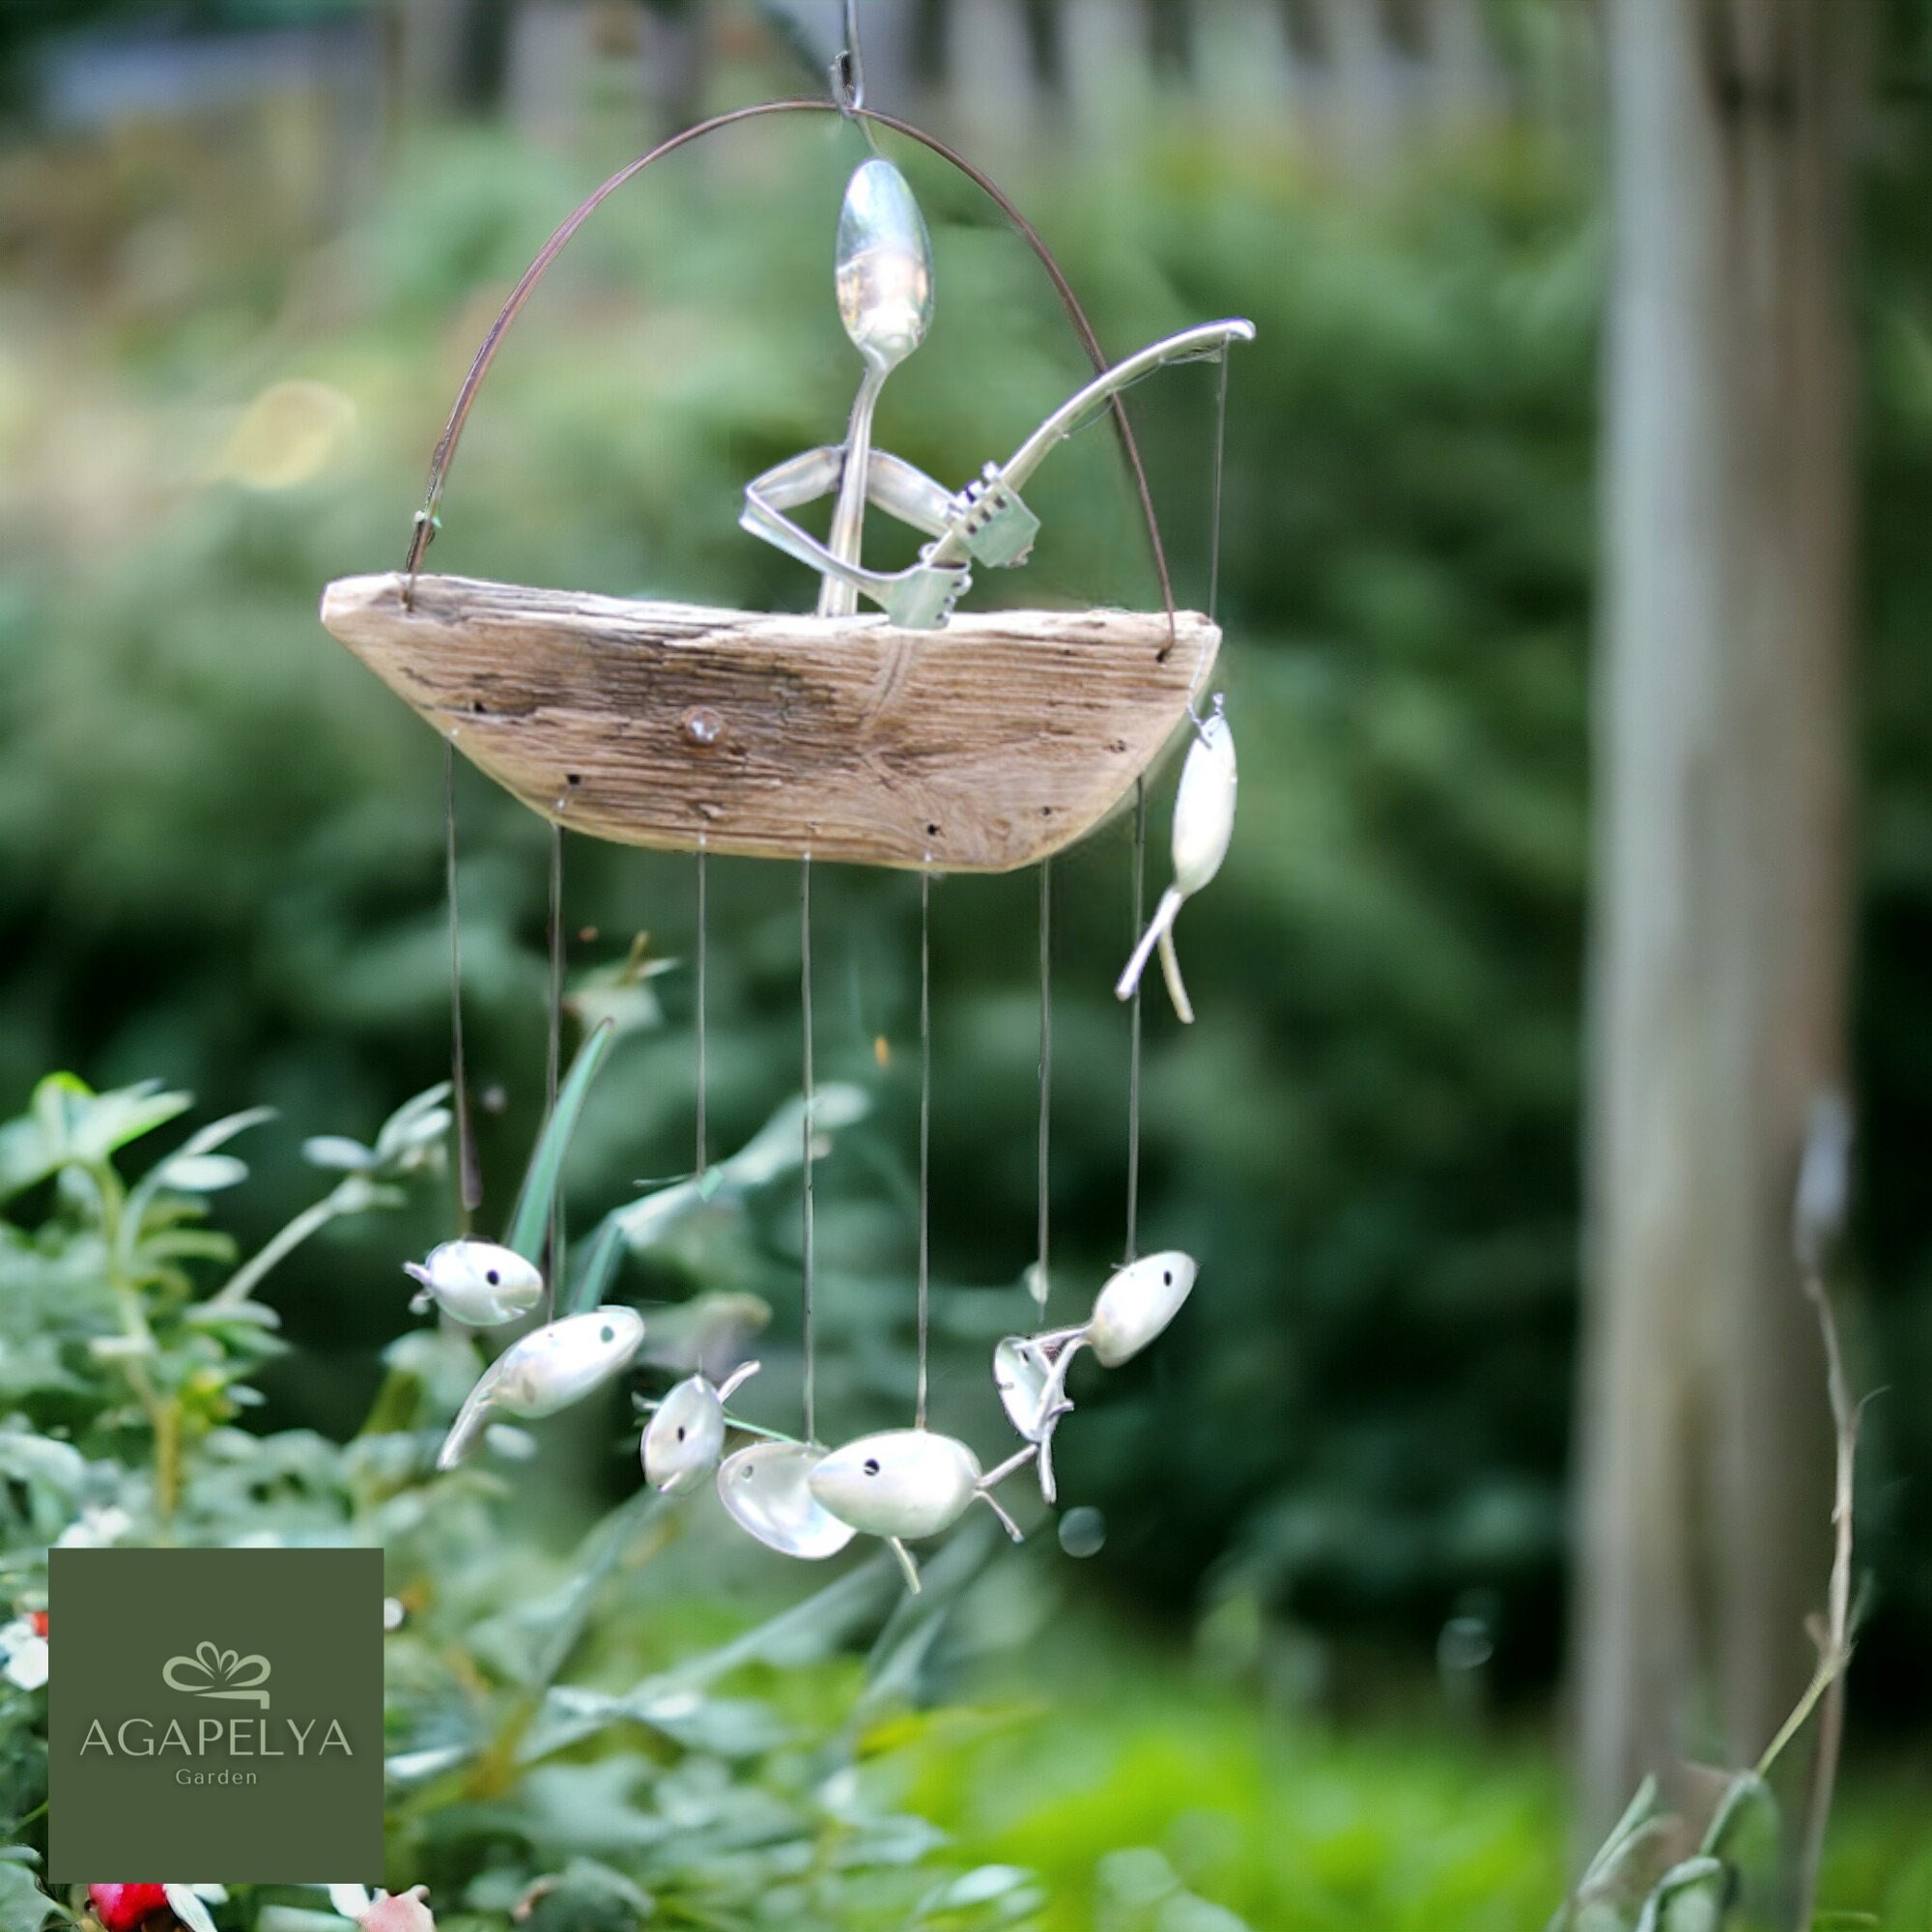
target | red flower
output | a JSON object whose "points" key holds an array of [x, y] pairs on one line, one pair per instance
{"points": [[121, 1908], [39, 1620]]}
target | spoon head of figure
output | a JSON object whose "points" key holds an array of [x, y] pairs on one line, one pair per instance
{"points": [[685, 1438], [1203, 806], [884, 269], [902, 1482], [1140, 1300], [476, 1283], [559, 1364], [1023, 1373], [767, 1491]]}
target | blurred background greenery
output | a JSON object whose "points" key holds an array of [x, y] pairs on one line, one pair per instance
{"points": [[247, 248]]}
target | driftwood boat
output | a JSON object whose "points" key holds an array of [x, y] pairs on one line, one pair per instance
{"points": [[983, 747]]}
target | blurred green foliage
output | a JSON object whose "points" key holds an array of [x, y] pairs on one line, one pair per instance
{"points": [[558, 1748], [596, 1733], [223, 838], [227, 835]]}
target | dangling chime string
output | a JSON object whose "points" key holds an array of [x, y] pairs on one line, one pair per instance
{"points": [[553, 1057], [703, 1155], [924, 1137], [805, 1016], [468, 1169], [1043, 1287], [1140, 835], [1134, 1029], [1220, 464]]}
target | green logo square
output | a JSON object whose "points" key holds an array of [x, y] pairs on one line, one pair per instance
{"points": [[215, 1715]]}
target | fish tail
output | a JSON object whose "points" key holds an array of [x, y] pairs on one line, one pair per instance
{"points": [[906, 1564], [464, 1433], [1006, 1522], [1170, 967], [1130, 981], [743, 1372]]}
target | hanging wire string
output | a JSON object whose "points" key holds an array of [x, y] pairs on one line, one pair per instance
{"points": [[468, 1169], [804, 1018], [1220, 465], [1044, 1287], [925, 1141], [1134, 1027], [552, 1059], [703, 1152], [1140, 861]]}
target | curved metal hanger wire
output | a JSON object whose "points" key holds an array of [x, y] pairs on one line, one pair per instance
{"points": [[1077, 315]]}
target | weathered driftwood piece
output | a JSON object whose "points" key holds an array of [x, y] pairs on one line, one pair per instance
{"points": [[981, 748]]}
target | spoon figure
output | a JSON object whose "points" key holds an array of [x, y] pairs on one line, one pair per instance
{"points": [[477, 1283], [766, 1489], [686, 1437], [550, 1369], [985, 523], [884, 278], [908, 1483], [1203, 822]]}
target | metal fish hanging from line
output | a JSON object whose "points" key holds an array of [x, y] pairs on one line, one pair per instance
{"points": [[685, 1439], [908, 1484], [476, 1283], [1133, 1308], [767, 1490], [1203, 823], [549, 1370]]}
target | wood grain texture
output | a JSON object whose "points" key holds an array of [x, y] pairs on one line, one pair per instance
{"points": [[982, 748]]}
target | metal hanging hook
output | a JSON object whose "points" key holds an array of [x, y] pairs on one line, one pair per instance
{"points": [[848, 67]]}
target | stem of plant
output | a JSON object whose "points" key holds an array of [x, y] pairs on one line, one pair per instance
{"points": [[163, 1415], [1835, 1655], [310, 1221]]}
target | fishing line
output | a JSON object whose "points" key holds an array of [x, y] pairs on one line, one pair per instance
{"points": [[469, 1169], [1139, 833], [704, 922], [1220, 461], [553, 1057], [1045, 1070], [805, 1017], [924, 1137]]}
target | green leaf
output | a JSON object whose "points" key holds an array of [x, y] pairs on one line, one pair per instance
{"points": [[337, 1152], [1690, 1897], [217, 1133], [1642, 1808], [546, 1170], [24, 1906], [601, 1255], [416, 1127], [1746, 1795], [202, 1173], [94, 1126]]}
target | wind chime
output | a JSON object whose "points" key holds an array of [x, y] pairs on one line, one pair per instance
{"points": [[917, 738]]}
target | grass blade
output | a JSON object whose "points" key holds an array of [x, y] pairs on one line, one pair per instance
{"points": [[532, 1218]]}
